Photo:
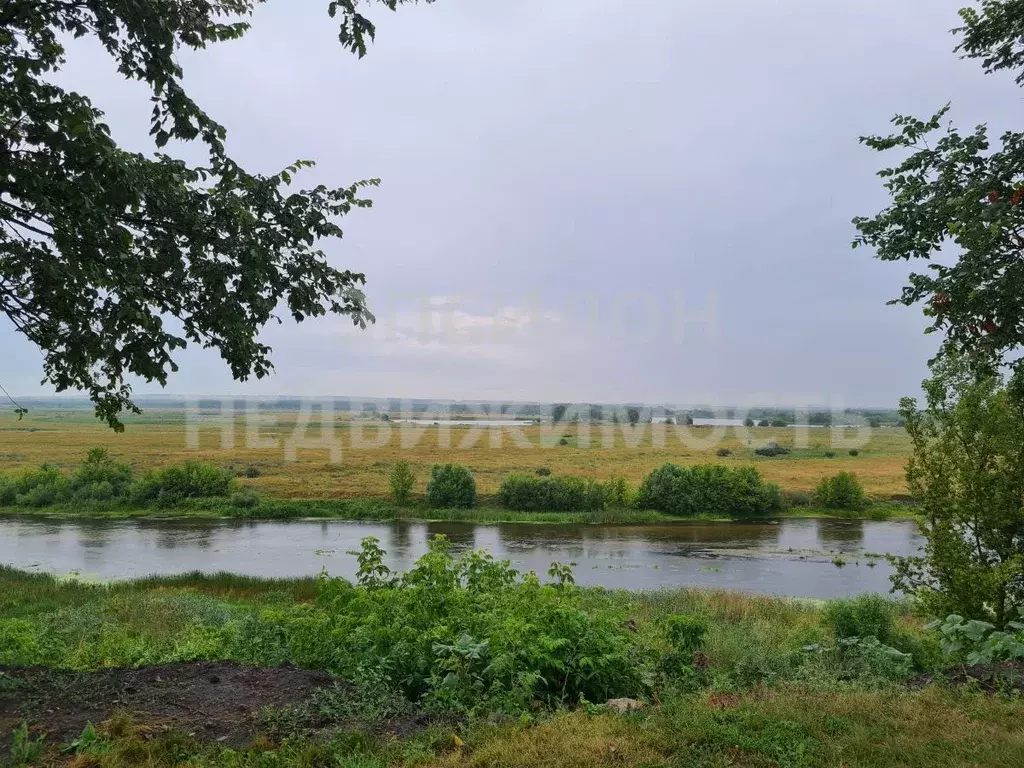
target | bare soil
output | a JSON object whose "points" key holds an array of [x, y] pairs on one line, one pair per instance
{"points": [[215, 701]]}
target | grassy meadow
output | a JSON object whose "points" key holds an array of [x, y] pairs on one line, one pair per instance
{"points": [[160, 437], [433, 672]]}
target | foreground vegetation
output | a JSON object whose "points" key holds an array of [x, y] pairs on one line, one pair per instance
{"points": [[500, 668]]}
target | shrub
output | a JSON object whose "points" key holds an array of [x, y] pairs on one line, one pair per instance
{"points": [[841, 491], [619, 494], [451, 485], [772, 449], [764, 423], [401, 479], [189, 480], [100, 478], [469, 634], [252, 471], [34, 487], [708, 489], [543, 471], [563, 441], [723, 452], [796, 499], [528, 493], [830, 454], [854, 452], [245, 498], [861, 616]]}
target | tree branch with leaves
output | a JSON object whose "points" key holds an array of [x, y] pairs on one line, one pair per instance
{"points": [[111, 261]]}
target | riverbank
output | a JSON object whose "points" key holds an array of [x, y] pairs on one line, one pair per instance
{"points": [[382, 511], [475, 675]]}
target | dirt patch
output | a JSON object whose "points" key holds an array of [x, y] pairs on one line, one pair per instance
{"points": [[995, 678], [215, 701]]}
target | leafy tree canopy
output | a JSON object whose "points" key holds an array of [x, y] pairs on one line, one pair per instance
{"points": [[961, 193], [110, 260], [967, 470]]}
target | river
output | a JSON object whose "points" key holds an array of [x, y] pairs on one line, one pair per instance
{"points": [[792, 557]]}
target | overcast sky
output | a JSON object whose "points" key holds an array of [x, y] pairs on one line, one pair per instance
{"points": [[585, 200]]}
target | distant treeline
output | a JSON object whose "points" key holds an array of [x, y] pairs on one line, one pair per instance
{"points": [[558, 412]]}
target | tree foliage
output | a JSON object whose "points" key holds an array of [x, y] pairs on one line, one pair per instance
{"points": [[967, 470], [110, 261], [960, 194]]}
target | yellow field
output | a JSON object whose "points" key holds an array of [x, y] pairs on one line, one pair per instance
{"points": [[369, 448]]}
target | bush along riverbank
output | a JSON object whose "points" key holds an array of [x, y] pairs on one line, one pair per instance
{"points": [[466, 662], [103, 486]]}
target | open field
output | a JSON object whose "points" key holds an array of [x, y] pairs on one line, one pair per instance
{"points": [[368, 449]]}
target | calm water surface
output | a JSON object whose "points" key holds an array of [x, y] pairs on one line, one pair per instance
{"points": [[793, 557]]}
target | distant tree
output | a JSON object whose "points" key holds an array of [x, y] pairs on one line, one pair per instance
{"points": [[748, 422], [820, 419], [100, 247], [402, 479], [764, 423], [558, 412], [669, 420], [967, 471], [874, 422], [779, 422], [688, 420], [961, 195], [633, 414]]}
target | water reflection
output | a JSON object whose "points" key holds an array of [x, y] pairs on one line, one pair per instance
{"points": [[792, 557], [842, 535]]}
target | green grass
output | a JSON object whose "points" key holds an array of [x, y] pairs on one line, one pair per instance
{"points": [[762, 701]]}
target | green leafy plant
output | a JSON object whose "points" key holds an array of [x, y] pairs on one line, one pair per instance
{"points": [[25, 749], [979, 641]]}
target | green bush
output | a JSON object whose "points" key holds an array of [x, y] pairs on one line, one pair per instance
{"points": [[861, 616], [711, 489], [841, 491], [543, 471], [190, 480], [245, 498], [796, 499], [100, 478], [451, 486], [772, 449], [619, 494], [723, 452], [529, 493], [34, 487], [401, 479], [470, 634]]}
